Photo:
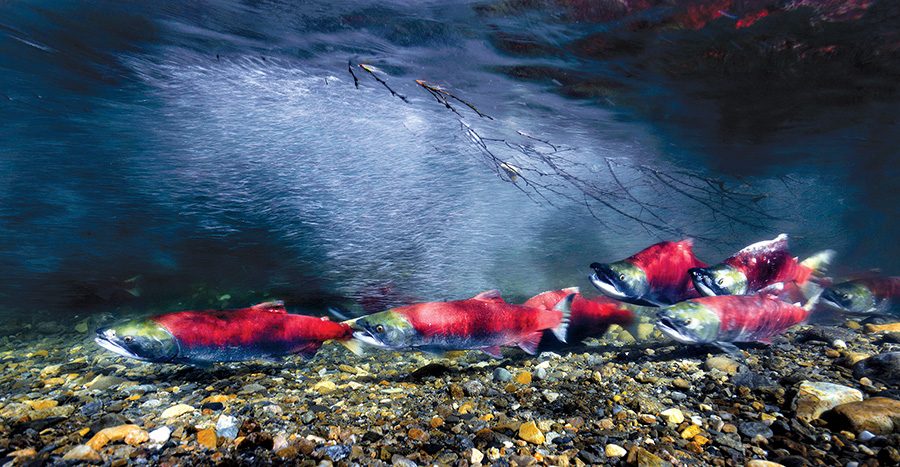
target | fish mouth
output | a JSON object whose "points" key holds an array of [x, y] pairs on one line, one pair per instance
{"points": [[703, 282], [669, 327], [830, 298], [367, 338], [104, 339], [603, 279]]}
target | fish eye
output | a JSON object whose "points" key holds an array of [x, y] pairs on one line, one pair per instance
{"points": [[621, 277], [379, 329], [720, 281], [128, 339]]}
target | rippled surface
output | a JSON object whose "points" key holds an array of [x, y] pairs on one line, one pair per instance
{"points": [[223, 148]]}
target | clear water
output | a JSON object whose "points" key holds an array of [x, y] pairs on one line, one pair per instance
{"points": [[221, 147]]}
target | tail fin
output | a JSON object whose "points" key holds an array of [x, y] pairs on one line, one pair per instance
{"points": [[816, 264], [564, 307]]}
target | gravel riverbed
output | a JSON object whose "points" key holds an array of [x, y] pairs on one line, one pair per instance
{"points": [[819, 395]]}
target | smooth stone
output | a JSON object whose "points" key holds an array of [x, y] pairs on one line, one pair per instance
{"points": [[763, 463], [723, 364], [754, 429], [117, 433], [877, 415], [884, 367], [176, 411], [865, 435], [253, 388], [531, 433], [614, 450], [160, 435], [324, 387], [475, 456], [82, 453], [814, 398], [103, 383], [672, 416]]}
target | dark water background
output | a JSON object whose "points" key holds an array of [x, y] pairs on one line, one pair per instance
{"points": [[221, 148]]}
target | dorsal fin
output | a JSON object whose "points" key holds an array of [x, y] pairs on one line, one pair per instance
{"points": [[492, 295], [275, 306]]}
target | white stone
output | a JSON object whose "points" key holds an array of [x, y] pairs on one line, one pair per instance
{"points": [[160, 435]]}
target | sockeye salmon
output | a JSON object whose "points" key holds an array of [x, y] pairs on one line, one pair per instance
{"points": [[484, 322], [655, 276], [723, 320], [590, 317], [756, 267], [262, 331], [865, 295]]}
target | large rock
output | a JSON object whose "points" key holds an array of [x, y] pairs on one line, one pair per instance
{"points": [[815, 398], [879, 415], [884, 367]]}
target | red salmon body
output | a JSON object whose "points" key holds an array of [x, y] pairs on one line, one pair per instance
{"points": [[485, 319], [590, 317], [882, 287], [666, 265], [769, 262], [748, 318], [265, 327]]}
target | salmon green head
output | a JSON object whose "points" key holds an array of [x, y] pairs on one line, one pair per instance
{"points": [[721, 279], [387, 329], [621, 280], [142, 339], [689, 322], [851, 296]]}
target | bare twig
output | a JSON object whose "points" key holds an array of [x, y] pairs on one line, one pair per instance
{"points": [[443, 96], [371, 71], [350, 69]]}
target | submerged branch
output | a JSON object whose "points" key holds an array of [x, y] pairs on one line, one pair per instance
{"points": [[546, 172], [371, 71]]}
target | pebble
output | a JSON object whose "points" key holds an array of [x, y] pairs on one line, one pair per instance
{"points": [[681, 383], [226, 427], [473, 388], [253, 388], [207, 438], [529, 431], [118, 433], [754, 429], [160, 435], [763, 463], [176, 411], [865, 435], [614, 450], [502, 374], [475, 456], [691, 431], [324, 387], [883, 367], [723, 364], [103, 383], [82, 453], [523, 377], [672, 416], [877, 415], [814, 398]]}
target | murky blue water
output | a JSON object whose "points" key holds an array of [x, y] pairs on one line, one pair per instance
{"points": [[221, 147]]}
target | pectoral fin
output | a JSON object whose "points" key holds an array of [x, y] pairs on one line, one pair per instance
{"points": [[729, 348], [493, 351], [531, 342]]}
